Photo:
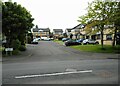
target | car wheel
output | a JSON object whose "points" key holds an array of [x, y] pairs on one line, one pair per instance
{"points": [[84, 43], [87, 43], [96, 43]]}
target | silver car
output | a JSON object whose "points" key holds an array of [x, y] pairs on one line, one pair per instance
{"points": [[90, 41]]}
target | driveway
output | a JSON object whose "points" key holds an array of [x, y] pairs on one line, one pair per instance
{"points": [[52, 63]]}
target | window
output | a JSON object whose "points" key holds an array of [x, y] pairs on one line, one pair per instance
{"points": [[108, 37], [87, 37], [98, 36]]}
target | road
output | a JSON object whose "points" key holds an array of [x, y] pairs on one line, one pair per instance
{"points": [[52, 63]]}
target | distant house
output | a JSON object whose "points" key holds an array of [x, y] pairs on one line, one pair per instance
{"points": [[57, 33], [76, 31], [68, 31], [41, 32]]}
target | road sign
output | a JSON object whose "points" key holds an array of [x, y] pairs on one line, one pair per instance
{"points": [[8, 49]]}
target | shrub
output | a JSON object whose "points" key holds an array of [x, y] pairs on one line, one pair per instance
{"points": [[15, 44], [29, 39], [15, 52], [3, 52], [22, 48]]}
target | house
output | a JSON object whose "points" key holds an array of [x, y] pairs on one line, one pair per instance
{"points": [[41, 32], [76, 31], [108, 35], [91, 31], [57, 33], [68, 31]]}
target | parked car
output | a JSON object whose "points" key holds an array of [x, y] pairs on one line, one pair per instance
{"points": [[90, 41], [38, 39], [51, 38], [80, 40], [47, 39], [35, 41], [71, 42], [65, 39], [43, 38]]}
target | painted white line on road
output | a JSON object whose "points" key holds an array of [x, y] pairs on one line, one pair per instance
{"points": [[53, 74]]}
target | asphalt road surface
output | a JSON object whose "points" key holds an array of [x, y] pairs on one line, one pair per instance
{"points": [[52, 63]]}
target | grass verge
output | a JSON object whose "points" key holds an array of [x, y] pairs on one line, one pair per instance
{"points": [[59, 41], [1, 48], [94, 48], [97, 48]]}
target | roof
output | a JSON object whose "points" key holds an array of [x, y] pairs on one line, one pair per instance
{"points": [[79, 26], [69, 29], [57, 30], [44, 29]]}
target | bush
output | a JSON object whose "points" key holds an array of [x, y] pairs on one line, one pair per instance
{"points": [[29, 39], [3, 52], [15, 44], [22, 48], [15, 52]]}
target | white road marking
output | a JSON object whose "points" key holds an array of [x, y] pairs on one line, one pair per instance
{"points": [[53, 74], [70, 69]]}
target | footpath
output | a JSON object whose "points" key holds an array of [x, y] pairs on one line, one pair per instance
{"points": [[21, 55]]}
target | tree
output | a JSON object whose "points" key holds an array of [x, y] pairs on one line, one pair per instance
{"points": [[99, 12], [84, 19], [71, 35], [51, 35], [114, 18], [36, 26], [16, 22], [65, 35], [29, 37]]}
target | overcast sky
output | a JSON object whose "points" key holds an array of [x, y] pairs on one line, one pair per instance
{"points": [[55, 14]]}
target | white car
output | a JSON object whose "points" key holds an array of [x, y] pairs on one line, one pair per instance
{"points": [[38, 39], [35, 41], [51, 38], [90, 41], [45, 38], [42, 38]]}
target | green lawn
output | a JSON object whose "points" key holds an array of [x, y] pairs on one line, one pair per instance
{"points": [[94, 48], [59, 41], [1, 48], [97, 48]]}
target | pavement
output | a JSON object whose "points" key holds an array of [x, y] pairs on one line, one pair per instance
{"points": [[21, 55]]}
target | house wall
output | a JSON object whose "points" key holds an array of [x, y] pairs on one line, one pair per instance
{"points": [[57, 34], [74, 32], [106, 37], [68, 33], [41, 34], [105, 40]]}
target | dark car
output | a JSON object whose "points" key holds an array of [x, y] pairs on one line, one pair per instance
{"points": [[65, 39], [80, 40], [72, 42]]}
